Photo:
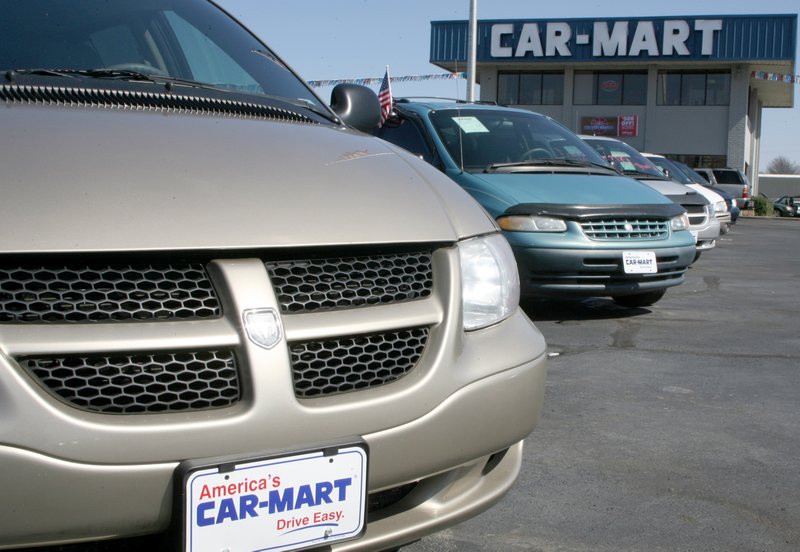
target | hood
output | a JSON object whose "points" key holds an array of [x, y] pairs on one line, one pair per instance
{"points": [[569, 189], [711, 195], [668, 187], [102, 179]]}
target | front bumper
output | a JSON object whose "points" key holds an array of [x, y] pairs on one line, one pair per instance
{"points": [[707, 234], [112, 491], [587, 272]]}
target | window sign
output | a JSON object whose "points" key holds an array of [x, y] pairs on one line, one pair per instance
{"points": [[624, 125]]}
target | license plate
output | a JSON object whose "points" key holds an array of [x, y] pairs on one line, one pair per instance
{"points": [[639, 262], [288, 502]]}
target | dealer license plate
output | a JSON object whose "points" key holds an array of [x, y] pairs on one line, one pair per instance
{"points": [[639, 262], [290, 502]]}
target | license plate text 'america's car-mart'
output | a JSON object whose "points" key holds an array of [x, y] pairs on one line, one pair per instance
{"points": [[277, 504], [639, 262]]}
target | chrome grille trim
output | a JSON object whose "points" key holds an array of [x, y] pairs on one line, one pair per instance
{"points": [[625, 229], [140, 383]]}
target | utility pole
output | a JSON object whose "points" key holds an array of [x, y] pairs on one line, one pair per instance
{"points": [[472, 47]]}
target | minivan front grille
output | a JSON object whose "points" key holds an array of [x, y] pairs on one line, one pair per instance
{"points": [[696, 214], [75, 292], [311, 285], [626, 229], [140, 383], [338, 365]]}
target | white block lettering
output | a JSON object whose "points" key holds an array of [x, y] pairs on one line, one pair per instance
{"points": [[614, 44], [498, 32], [676, 32], [708, 27], [558, 35], [644, 38], [529, 41]]}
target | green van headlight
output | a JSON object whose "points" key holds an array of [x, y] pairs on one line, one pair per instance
{"points": [[531, 223]]}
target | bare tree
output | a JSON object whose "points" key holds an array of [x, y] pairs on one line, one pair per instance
{"points": [[783, 165]]}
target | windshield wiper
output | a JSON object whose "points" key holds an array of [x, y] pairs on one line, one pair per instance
{"points": [[548, 162], [115, 74], [81, 73], [634, 172]]}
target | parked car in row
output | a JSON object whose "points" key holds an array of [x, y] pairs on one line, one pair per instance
{"points": [[576, 226], [674, 172], [730, 201], [228, 320], [787, 206], [626, 159], [733, 181]]}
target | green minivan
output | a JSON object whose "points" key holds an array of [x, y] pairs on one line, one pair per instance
{"points": [[576, 225]]}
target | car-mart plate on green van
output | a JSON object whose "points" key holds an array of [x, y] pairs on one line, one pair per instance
{"points": [[639, 262]]}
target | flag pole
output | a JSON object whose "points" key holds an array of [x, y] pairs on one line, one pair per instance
{"points": [[473, 48]]}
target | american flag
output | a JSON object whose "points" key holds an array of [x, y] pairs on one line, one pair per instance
{"points": [[385, 97]]}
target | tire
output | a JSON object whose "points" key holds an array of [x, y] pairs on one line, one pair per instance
{"points": [[640, 299], [696, 256], [724, 229]]}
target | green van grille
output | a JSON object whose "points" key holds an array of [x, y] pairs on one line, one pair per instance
{"points": [[626, 229]]}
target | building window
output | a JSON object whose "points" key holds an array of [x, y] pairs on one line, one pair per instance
{"points": [[524, 88], [692, 88], [610, 88]]}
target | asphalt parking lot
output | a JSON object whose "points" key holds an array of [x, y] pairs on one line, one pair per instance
{"points": [[671, 428]]}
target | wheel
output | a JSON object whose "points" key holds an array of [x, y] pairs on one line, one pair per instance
{"points": [[640, 299], [724, 228]]}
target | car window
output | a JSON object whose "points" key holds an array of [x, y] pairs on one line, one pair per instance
{"points": [[179, 39], [624, 157], [727, 176], [482, 137], [675, 173], [404, 133]]}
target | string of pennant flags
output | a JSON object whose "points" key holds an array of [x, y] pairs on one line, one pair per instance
{"points": [[778, 77], [758, 75], [377, 80]]}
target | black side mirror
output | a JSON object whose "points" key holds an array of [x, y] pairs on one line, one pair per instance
{"points": [[356, 105]]}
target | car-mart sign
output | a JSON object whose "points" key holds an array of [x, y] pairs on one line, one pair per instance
{"points": [[619, 38], [737, 38]]}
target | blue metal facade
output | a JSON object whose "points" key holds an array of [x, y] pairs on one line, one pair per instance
{"points": [[738, 38]]}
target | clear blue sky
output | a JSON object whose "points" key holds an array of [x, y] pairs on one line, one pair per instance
{"points": [[340, 39]]}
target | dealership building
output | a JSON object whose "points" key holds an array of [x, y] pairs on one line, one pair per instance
{"points": [[689, 87]]}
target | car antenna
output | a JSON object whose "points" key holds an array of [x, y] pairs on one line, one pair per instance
{"points": [[458, 127]]}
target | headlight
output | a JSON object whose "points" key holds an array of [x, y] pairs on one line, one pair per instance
{"points": [[720, 207], [489, 280], [681, 222], [531, 223]]}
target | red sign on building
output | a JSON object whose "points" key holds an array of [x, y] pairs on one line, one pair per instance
{"points": [[628, 125]]}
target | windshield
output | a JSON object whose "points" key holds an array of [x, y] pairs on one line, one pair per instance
{"points": [[624, 157], [696, 177], [187, 40], [671, 169], [485, 137]]}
